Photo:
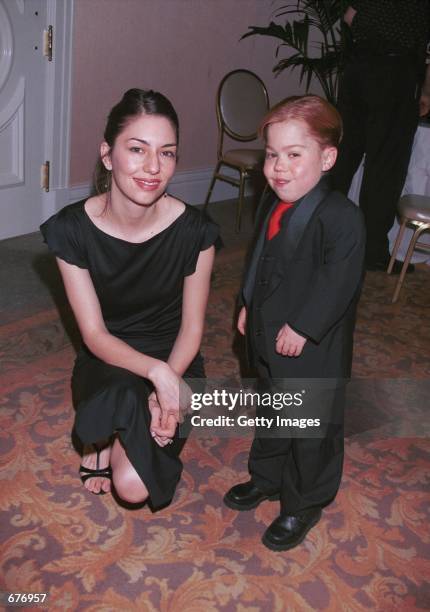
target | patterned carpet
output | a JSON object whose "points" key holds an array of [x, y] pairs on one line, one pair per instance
{"points": [[371, 550]]}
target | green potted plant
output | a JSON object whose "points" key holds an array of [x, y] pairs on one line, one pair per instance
{"points": [[319, 38]]}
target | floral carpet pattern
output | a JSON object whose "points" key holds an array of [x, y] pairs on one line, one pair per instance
{"points": [[370, 551]]}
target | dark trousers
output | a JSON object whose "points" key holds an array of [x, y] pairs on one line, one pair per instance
{"points": [[306, 471], [378, 101]]}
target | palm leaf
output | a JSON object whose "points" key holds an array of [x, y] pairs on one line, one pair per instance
{"points": [[322, 61]]}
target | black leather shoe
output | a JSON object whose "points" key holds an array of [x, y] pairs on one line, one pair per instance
{"points": [[382, 266], [286, 532], [246, 496]]}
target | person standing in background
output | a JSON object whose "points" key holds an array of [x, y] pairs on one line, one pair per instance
{"points": [[384, 89]]}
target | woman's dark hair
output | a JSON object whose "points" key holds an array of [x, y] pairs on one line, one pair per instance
{"points": [[135, 102]]}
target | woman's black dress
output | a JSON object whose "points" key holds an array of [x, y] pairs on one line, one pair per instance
{"points": [[139, 287]]}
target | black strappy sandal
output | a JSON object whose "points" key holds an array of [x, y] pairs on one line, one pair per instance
{"points": [[86, 473]]}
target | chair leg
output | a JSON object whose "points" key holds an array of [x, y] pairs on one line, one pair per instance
{"points": [[240, 201], [409, 253], [396, 245], [211, 186]]}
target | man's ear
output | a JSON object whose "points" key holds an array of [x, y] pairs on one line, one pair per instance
{"points": [[105, 155], [329, 156]]}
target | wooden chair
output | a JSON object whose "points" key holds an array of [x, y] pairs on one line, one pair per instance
{"points": [[414, 211], [242, 102]]}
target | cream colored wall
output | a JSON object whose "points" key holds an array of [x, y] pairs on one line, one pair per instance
{"points": [[179, 47]]}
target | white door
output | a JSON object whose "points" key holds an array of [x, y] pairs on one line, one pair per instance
{"points": [[23, 78]]}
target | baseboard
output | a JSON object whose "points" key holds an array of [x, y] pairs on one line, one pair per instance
{"points": [[191, 186], [79, 192]]}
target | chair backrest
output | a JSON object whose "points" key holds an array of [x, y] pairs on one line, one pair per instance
{"points": [[242, 102]]}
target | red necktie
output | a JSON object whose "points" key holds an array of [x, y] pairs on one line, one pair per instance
{"points": [[275, 219]]}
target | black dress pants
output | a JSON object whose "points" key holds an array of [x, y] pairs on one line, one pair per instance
{"points": [[306, 471], [378, 101]]}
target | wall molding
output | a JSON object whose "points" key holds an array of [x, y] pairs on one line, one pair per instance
{"points": [[58, 105], [191, 186], [59, 87]]}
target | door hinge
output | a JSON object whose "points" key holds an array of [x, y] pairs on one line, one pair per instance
{"points": [[44, 175], [48, 36]]}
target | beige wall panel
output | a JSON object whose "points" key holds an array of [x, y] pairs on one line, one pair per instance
{"points": [[179, 47]]}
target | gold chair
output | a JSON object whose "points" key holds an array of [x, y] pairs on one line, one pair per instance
{"points": [[414, 210], [242, 102]]}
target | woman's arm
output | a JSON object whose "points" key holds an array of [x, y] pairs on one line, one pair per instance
{"points": [[86, 308], [188, 340], [195, 298]]}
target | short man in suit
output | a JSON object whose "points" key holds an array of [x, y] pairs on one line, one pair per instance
{"points": [[299, 301]]}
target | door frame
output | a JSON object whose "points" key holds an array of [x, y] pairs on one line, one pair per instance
{"points": [[58, 88]]}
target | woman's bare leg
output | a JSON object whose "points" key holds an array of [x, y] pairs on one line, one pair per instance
{"points": [[126, 480]]}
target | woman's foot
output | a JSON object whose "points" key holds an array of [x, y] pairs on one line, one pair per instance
{"points": [[95, 470]]}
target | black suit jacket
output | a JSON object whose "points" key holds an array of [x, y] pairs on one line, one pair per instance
{"points": [[312, 282]]}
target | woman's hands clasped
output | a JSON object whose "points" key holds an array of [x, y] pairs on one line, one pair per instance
{"points": [[166, 403], [161, 435]]}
